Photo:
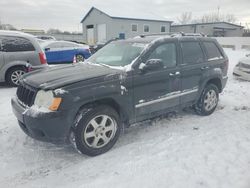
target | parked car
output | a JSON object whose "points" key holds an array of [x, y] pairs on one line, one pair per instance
{"points": [[123, 83], [242, 69], [45, 37], [58, 52], [97, 47], [18, 51]]}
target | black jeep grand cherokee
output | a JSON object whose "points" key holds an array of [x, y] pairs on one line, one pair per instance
{"points": [[123, 83]]}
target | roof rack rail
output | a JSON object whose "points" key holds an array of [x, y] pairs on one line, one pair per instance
{"points": [[188, 34], [173, 34]]}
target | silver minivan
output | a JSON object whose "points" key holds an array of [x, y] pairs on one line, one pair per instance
{"points": [[19, 52]]}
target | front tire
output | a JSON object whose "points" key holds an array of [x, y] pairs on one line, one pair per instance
{"points": [[79, 58], [14, 74], [208, 100], [96, 130]]}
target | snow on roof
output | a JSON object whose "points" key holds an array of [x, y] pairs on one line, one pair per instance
{"points": [[208, 23], [128, 14]]}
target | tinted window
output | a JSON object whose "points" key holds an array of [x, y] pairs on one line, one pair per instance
{"points": [[16, 44], [191, 52], [212, 50], [165, 52]]}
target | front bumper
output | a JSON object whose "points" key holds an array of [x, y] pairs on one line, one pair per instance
{"points": [[51, 127], [241, 73]]}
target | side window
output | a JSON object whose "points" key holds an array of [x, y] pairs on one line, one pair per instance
{"points": [[68, 45], [163, 29], [191, 52], [146, 28], [54, 45], [213, 53], [134, 27], [167, 53], [16, 44]]}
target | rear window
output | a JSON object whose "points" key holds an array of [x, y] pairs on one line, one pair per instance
{"points": [[16, 44], [213, 53], [192, 52]]}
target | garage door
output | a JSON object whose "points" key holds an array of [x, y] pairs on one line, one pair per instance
{"points": [[101, 33], [90, 36]]}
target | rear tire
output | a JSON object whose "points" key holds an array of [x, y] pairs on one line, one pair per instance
{"points": [[208, 100], [14, 74], [79, 58], [96, 130]]}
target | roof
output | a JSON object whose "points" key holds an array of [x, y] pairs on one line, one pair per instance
{"points": [[128, 15], [15, 33], [209, 23]]}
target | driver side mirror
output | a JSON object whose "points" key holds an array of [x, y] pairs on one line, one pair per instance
{"points": [[151, 65]]}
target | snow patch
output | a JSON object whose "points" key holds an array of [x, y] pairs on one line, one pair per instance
{"points": [[60, 91], [123, 90], [35, 110]]}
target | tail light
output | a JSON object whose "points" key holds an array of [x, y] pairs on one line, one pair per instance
{"points": [[42, 57]]}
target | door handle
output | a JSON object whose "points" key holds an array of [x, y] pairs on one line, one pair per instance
{"points": [[174, 74], [204, 68]]}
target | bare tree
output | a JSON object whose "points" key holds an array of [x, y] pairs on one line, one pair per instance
{"points": [[54, 31], [216, 17], [230, 18], [185, 18]]}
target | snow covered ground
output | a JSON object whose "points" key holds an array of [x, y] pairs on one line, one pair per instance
{"points": [[182, 151]]}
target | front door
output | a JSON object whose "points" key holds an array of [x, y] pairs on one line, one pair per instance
{"points": [[155, 91], [192, 67]]}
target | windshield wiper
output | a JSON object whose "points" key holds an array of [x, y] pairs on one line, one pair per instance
{"points": [[104, 65]]}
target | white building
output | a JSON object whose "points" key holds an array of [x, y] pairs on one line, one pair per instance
{"points": [[102, 25]]}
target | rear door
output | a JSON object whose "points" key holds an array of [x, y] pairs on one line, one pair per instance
{"points": [[192, 69], [54, 52], [69, 51]]}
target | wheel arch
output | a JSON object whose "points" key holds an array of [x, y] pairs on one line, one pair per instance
{"points": [[12, 67], [109, 102], [217, 82]]}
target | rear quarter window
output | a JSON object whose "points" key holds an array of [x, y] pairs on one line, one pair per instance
{"points": [[212, 51], [192, 52], [16, 44]]}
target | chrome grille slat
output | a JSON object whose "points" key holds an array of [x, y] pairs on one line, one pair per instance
{"points": [[26, 95]]}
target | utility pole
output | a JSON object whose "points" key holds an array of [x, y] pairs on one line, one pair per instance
{"points": [[218, 13]]}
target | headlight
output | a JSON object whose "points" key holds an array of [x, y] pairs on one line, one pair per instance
{"points": [[46, 99]]}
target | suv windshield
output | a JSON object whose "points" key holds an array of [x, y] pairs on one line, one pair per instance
{"points": [[117, 53]]}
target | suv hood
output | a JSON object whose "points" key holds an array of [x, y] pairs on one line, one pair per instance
{"points": [[54, 77]]}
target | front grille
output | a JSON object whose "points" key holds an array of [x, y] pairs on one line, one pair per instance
{"points": [[26, 95]]}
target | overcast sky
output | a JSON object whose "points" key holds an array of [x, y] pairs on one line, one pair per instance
{"points": [[67, 14]]}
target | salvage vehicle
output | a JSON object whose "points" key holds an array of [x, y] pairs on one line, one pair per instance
{"points": [[125, 82], [242, 69], [60, 52], [18, 53]]}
